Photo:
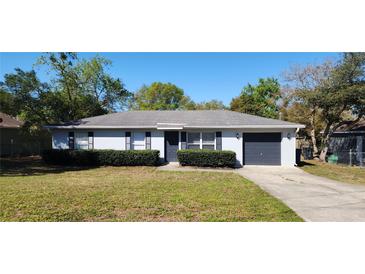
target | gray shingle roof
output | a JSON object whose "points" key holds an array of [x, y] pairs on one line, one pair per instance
{"points": [[178, 119]]}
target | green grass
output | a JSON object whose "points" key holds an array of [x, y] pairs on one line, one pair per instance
{"points": [[30, 191], [341, 173]]}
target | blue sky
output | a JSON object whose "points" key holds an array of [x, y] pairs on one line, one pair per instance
{"points": [[203, 76]]}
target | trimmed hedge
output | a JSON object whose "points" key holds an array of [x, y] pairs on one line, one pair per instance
{"points": [[206, 158], [102, 157]]}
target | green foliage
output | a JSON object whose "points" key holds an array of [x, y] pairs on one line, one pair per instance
{"points": [[332, 89], [102, 157], [7, 103], [84, 85], [261, 100], [210, 105], [206, 158], [345, 90], [128, 157], [166, 96], [31, 99], [161, 96]]}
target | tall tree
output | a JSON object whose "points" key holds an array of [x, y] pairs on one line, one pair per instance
{"points": [[30, 96], [343, 94], [84, 85], [108, 91], [261, 100], [161, 96], [336, 92], [305, 83], [77, 89]]}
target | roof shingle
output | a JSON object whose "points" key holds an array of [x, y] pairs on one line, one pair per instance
{"points": [[183, 118]]}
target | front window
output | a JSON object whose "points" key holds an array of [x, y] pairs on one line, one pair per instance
{"points": [[208, 140], [138, 140], [82, 140], [193, 140], [201, 140]]}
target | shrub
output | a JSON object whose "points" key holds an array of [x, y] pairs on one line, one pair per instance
{"points": [[102, 157], [128, 157], [69, 157], [206, 158]]}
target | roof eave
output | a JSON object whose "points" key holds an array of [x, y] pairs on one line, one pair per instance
{"points": [[250, 126], [96, 127], [176, 127]]}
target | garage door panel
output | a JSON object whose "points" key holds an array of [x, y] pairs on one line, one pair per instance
{"points": [[262, 148], [262, 137]]}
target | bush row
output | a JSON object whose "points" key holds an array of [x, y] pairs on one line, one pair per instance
{"points": [[206, 158], [102, 157]]}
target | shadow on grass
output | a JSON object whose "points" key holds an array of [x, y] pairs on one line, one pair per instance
{"points": [[303, 163], [26, 166]]}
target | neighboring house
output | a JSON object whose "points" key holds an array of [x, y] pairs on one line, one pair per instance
{"points": [[9, 134], [255, 140], [348, 141], [14, 141]]}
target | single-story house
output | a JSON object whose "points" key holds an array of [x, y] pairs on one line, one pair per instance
{"points": [[255, 140]]}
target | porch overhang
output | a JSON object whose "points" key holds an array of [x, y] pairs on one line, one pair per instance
{"points": [[169, 126]]}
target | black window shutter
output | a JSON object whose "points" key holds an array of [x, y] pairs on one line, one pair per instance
{"points": [[148, 140], [91, 139], [218, 140], [128, 140], [71, 140], [183, 140]]}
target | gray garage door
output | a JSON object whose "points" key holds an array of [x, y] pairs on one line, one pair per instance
{"points": [[262, 148]]}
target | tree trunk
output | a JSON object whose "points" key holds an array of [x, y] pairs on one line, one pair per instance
{"points": [[314, 142], [326, 137], [324, 150], [313, 135], [323, 155]]}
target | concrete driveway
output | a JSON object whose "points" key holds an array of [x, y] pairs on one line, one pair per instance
{"points": [[313, 198]]}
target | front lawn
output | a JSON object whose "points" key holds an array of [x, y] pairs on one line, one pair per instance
{"points": [[30, 191], [336, 172]]}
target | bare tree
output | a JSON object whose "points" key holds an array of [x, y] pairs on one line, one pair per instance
{"points": [[305, 83]]}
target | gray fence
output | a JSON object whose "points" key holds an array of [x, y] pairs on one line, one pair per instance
{"points": [[350, 157], [23, 149], [347, 148], [19, 142]]}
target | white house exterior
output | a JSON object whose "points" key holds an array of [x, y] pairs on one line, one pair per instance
{"points": [[255, 140]]}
